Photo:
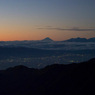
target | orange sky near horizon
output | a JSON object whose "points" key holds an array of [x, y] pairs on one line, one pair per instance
{"points": [[11, 34]]}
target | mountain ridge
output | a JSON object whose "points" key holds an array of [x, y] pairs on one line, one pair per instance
{"points": [[57, 79], [78, 39]]}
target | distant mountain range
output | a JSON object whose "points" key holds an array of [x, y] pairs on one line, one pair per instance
{"points": [[81, 40], [48, 39], [73, 79], [78, 39]]}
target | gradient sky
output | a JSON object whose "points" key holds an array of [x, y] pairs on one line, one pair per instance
{"points": [[37, 19]]}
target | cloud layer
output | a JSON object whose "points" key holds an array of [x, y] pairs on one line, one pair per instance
{"points": [[68, 29]]}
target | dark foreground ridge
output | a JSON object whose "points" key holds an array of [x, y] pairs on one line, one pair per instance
{"points": [[73, 79]]}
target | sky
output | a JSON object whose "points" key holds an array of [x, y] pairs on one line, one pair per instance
{"points": [[37, 19]]}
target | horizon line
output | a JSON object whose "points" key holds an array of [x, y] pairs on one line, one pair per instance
{"points": [[43, 39]]}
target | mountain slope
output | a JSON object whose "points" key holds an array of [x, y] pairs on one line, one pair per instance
{"points": [[73, 79], [47, 39]]}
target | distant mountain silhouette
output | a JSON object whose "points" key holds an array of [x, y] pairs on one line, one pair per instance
{"points": [[47, 39], [73, 79], [80, 40], [92, 39]]}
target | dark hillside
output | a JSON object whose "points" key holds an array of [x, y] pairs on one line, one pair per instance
{"points": [[73, 79]]}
